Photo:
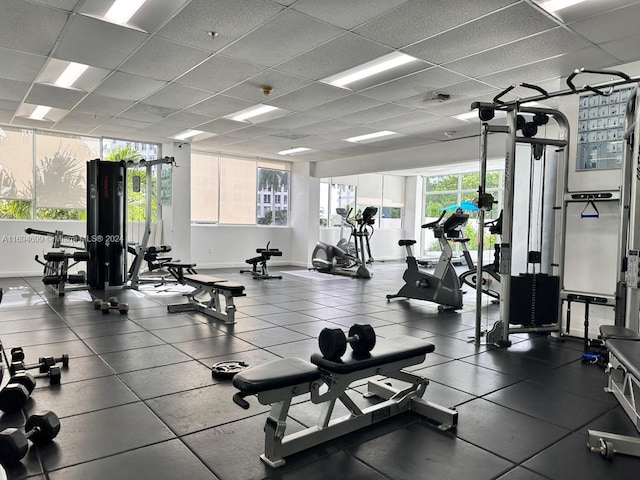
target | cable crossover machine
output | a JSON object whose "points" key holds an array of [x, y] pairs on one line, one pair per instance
{"points": [[535, 204]]}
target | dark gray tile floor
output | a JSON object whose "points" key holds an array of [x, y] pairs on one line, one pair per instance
{"points": [[138, 400]]}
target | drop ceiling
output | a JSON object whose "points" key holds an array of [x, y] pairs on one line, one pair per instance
{"points": [[165, 73]]}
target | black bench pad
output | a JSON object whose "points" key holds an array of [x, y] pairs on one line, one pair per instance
{"points": [[615, 331], [281, 373], [628, 354], [386, 351], [233, 287]]}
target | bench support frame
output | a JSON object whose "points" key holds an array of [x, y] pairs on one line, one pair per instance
{"points": [[208, 300], [332, 387]]}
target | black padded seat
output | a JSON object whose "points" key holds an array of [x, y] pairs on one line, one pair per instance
{"points": [[179, 265], [233, 287], [403, 243], [387, 350], [254, 260], [628, 354], [616, 331], [460, 240], [205, 280], [282, 373]]}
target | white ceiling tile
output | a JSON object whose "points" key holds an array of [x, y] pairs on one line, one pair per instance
{"points": [[625, 21], [219, 106], [221, 125], [561, 66], [163, 60], [184, 119], [9, 105], [230, 19], [146, 113], [176, 96], [29, 123], [541, 46], [434, 129], [459, 132], [30, 27], [281, 82], [410, 119], [374, 114], [424, 81], [24, 66], [323, 128], [54, 96], [294, 120], [148, 18], [253, 131], [343, 106], [309, 96], [418, 19], [83, 122], [351, 131], [12, 90], [162, 130], [128, 87], [115, 131], [102, 105], [337, 55], [582, 10], [507, 25], [281, 38], [6, 116], [468, 89], [125, 122], [625, 49], [219, 73], [67, 5], [100, 44], [346, 14]]}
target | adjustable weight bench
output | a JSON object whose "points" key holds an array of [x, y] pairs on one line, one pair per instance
{"points": [[624, 382], [277, 382], [206, 298]]}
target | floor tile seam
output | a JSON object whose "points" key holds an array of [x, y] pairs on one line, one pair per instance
{"points": [[468, 362], [192, 389], [80, 414], [561, 390], [150, 367], [263, 347]]}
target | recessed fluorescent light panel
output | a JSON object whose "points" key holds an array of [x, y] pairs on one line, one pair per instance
{"points": [[187, 134], [40, 112], [552, 6], [376, 71], [473, 115], [372, 137], [265, 112], [293, 151], [70, 75], [122, 10]]}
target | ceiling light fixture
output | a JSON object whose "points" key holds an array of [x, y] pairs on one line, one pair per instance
{"points": [[292, 151], [247, 113], [122, 10], [187, 134], [555, 5], [467, 115], [39, 112], [70, 75], [379, 65], [370, 136]]}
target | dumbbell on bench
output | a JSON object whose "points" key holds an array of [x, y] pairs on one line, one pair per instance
{"points": [[16, 393], [40, 429], [333, 341]]}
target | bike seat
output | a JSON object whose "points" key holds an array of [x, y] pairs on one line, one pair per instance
{"points": [[459, 240], [403, 243]]}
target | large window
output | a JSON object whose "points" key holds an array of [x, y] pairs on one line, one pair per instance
{"points": [[43, 175], [392, 202], [239, 191]]}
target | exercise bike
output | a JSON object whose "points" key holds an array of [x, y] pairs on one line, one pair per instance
{"points": [[490, 273], [331, 259], [443, 286]]}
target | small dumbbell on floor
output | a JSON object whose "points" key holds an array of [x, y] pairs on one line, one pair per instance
{"points": [[15, 394], [333, 341], [43, 365], [110, 304], [40, 429]]}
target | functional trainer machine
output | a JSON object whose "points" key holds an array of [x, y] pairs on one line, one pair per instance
{"points": [[334, 260], [443, 286], [277, 383]]}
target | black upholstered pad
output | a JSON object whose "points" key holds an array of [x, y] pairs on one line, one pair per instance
{"points": [[281, 373], [387, 350], [206, 280], [628, 354], [615, 331], [233, 287]]}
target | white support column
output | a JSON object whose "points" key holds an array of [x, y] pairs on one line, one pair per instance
{"points": [[305, 213], [176, 219]]}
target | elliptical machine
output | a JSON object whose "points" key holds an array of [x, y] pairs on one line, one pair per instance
{"points": [[490, 273], [443, 286], [331, 259], [345, 243]]}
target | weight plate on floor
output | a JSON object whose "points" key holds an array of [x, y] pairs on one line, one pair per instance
{"points": [[228, 369]]}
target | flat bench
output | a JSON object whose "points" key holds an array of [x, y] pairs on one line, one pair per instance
{"points": [[276, 383], [206, 298], [623, 369]]}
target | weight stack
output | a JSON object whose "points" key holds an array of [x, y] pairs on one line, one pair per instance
{"points": [[534, 300], [106, 223]]}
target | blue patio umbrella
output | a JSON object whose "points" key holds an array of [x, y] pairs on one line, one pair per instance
{"points": [[463, 206]]}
